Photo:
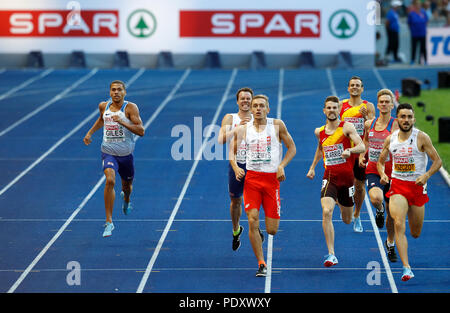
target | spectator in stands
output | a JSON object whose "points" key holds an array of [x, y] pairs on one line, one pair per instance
{"points": [[417, 22], [392, 30]]}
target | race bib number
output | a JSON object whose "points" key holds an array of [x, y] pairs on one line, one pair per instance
{"points": [[351, 191], [405, 168], [358, 122], [260, 151], [113, 132], [333, 154], [241, 153], [375, 151]]}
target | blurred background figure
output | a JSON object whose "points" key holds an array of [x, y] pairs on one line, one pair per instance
{"points": [[417, 22], [392, 30]]}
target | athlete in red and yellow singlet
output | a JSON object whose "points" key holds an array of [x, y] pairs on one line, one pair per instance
{"points": [[353, 115], [337, 169], [338, 142]]}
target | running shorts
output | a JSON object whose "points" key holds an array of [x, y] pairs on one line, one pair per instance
{"points": [[343, 194], [373, 180], [415, 194], [124, 165], [235, 187], [262, 189]]}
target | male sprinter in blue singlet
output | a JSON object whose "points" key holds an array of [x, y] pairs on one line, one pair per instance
{"points": [[121, 123]]}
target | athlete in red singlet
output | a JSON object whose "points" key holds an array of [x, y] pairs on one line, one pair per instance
{"points": [[376, 131]]}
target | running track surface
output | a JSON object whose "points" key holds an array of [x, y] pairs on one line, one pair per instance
{"points": [[178, 238]]}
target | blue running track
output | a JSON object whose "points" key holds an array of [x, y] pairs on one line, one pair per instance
{"points": [[178, 238]]}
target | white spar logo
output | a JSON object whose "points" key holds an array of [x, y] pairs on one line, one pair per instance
{"points": [[22, 23], [224, 23]]}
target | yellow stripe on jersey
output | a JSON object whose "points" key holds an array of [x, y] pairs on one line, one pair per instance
{"points": [[354, 111], [335, 138]]}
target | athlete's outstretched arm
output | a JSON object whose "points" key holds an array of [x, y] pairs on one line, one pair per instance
{"points": [[97, 125], [317, 156], [286, 138], [384, 179], [426, 145]]}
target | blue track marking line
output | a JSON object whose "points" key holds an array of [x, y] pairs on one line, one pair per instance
{"points": [[50, 102], [184, 189], [94, 189], [25, 83]]}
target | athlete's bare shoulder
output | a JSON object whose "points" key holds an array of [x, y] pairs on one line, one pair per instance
{"points": [[318, 130], [102, 106], [227, 119]]}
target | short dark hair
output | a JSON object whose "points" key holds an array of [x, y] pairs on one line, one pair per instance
{"points": [[406, 106], [117, 82], [332, 99], [245, 89], [358, 78]]}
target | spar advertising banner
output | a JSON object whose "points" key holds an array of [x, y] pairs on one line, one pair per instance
{"points": [[187, 26]]}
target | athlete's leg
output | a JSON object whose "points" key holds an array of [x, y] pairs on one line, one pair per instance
{"points": [[398, 207], [415, 219], [389, 225], [328, 204], [272, 225], [376, 197], [346, 213], [127, 188], [235, 212], [360, 193], [109, 193], [253, 233]]}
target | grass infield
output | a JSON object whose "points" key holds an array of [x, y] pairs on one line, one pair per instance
{"points": [[437, 104]]}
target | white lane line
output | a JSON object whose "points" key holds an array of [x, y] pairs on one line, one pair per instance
{"points": [[50, 102], [184, 189], [330, 80], [82, 204], [55, 237], [43, 156], [25, 83], [268, 283], [64, 138], [381, 247]]}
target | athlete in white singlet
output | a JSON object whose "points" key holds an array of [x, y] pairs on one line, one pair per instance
{"points": [[121, 123], [235, 188], [410, 149], [265, 171]]}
